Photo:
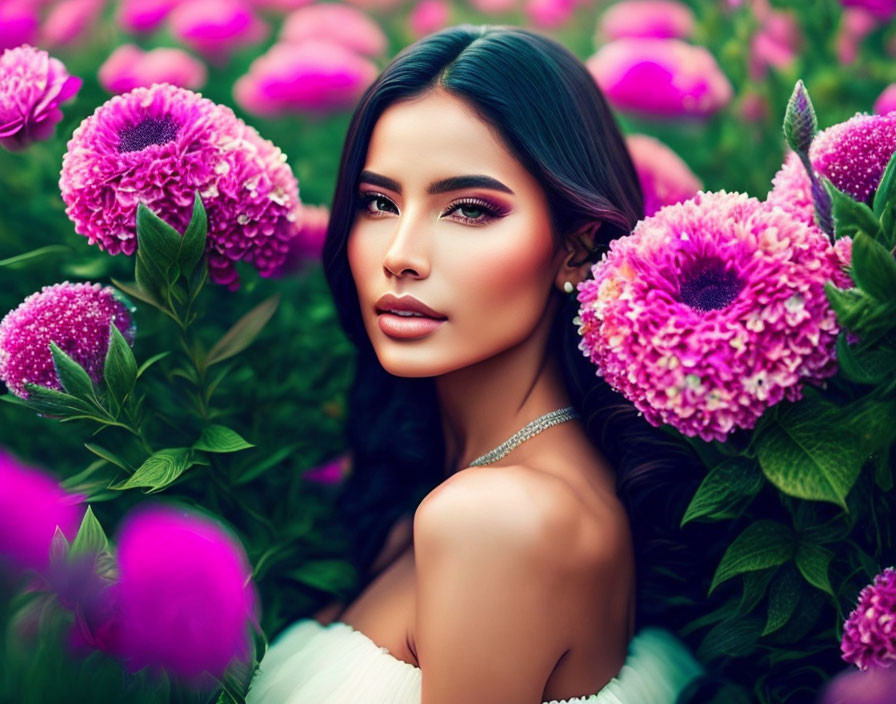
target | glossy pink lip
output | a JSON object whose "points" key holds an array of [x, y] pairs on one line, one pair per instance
{"points": [[406, 303]]}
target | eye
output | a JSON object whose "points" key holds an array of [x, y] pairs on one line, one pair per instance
{"points": [[378, 201], [475, 211]]}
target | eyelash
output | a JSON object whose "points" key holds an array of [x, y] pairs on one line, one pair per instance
{"points": [[490, 210]]}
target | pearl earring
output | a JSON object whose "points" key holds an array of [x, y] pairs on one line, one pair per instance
{"points": [[567, 286]]}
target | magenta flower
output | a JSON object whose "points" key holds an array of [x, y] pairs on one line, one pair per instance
{"points": [[314, 77], [869, 634], [331, 472], [549, 14], [711, 311], [216, 28], [280, 5], [32, 504], [882, 9], [429, 16], [70, 21], [886, 101], [18, 23], [852, 154], [664, 177], [308, 243], [74, 316], [776, 44], [143, 16], [855, 25], [343, 24], [647, 18], [494, 7], [186, 597], [660, 78], [130, 67], [32, 85], [159, 146], [874, 686]]}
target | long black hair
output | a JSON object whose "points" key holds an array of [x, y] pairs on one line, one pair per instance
{"points": [[543, 101]]}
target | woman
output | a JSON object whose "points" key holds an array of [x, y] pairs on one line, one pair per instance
{"points": [[481, 174]]}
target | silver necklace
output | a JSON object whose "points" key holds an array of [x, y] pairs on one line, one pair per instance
{"points": [[530, 430]]}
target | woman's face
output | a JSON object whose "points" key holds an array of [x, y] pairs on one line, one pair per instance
{"points": [[448, 217]]}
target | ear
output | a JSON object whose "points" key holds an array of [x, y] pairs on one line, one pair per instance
{"points": [[578, 256]]}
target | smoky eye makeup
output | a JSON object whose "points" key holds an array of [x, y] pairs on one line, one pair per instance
{"points": [[471, 210]]}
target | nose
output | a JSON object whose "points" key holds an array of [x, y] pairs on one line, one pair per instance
{"points": [[406, 255]]}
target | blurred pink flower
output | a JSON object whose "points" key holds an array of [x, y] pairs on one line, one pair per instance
{"points": [[279, 5], [875, 686], [494, 7], [331, 472], [429, 16], [32, 504], [130, 67], [70, 21], [869, 634], [711, 311], [855, 24], [144, 15], [215, 28], [18, 23], [186, 595], [32, 85], [646, 18], [882, 9], [886, 101], [76, 317], [660, 78], [343, 24], [377, 5], [549, 14], [664, 177], [753, 107], [314, 77], [308, 243]]}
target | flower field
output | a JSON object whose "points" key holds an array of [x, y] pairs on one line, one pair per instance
{"points": [[175, 380]]}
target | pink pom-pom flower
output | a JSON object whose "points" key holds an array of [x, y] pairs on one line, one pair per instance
{"points": [[660, 78], [187, 603], [665, 178], [130, 67], [159, 146], [142, 16], [32, 505], [32, 85], [852, 154], [76, 317], [869, 634], [711, 311], [216, 28], [315, 77], [343, 24], [646, 18]]}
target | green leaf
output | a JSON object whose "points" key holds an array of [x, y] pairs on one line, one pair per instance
{"points": [[726, 485], [755, 585], [326, 575], [109, 456], [90, 538], [152, 279], [240, 336], [48, 401], [258, 468], [159, 242], [813, 561], [160, 470], [139, 292], [806, 453], [870, 366], [120, 368], [883, 469], [152, 360], [735, 637], [192, 244], [218, 438], [35, 254], [72, 376], [783, 597], [886, 189], [850, 216], [763, 544], [874, 268]]}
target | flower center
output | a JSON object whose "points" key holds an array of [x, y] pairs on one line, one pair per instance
{"points": [[710, 288], [147, 132]]}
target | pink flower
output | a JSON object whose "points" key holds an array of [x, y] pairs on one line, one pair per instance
{"points": [[376, 5], [753, 107], [130, 67], [549, 14], [70, 20], [874, 686], [869, 634], [309, 240], [74, 316], [161, 145], [855, 25], [187, 601], [429, 16], [314, 77], [664, 177], [776, 44], [710, 312], [660, 78], [886, 101], [647, 18], [343, 24], [882, 9], [144, 15], [852, 154], [215, 28], [494, 7], [32, 504], [331, 472], [280, 5], [18, 23], [32, 85]]}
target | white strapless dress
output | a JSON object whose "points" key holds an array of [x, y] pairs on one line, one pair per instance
{"points": [[335, 664]]}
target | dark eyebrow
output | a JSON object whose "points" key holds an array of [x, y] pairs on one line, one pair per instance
{"points": [[454, 183]]}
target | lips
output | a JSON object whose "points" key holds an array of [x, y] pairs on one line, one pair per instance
{"points": [[406, 307]]}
